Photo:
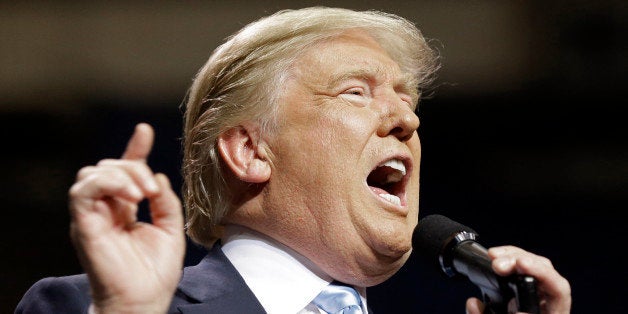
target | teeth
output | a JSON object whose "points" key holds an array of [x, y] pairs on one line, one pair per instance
{"points": [[397, 165], [391, 198]]}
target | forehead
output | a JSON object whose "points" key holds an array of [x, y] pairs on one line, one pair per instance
{"points": [[352, 54]]}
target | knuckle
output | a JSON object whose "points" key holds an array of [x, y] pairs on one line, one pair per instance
{"points": [[108, 161], [85, 171]]}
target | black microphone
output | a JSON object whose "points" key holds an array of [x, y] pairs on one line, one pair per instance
{"points": [[454, 248]]}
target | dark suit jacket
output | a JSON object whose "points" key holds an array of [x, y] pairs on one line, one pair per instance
{"points": [[212, 286]]}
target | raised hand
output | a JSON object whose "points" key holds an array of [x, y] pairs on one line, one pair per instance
{"points": [[554, 290], [133, 267]]}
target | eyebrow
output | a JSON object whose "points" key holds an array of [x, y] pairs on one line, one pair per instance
{"points": [[409, 84], [360, 74], [406, 83]]}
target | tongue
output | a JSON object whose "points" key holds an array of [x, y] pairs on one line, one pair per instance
{"points": [[380, 174], [378, 191]]}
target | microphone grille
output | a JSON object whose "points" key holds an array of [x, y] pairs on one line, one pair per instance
{"points": [[433, 234]]}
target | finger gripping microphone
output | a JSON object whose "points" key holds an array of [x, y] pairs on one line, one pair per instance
{"points": [[454, 249]]}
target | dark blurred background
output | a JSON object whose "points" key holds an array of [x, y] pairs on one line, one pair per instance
{"points": [[524, 139]]}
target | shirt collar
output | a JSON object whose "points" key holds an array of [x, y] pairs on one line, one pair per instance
{"points": [[283, 280]]}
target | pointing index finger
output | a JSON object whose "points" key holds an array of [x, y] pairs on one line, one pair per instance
{"points": [[140, 144]]}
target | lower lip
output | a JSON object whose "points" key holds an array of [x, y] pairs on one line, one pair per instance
{"points": [[395, 208]]}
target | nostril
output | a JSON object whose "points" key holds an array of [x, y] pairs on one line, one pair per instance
{"points": [[396, 130], [397, 124], [401, 133]]}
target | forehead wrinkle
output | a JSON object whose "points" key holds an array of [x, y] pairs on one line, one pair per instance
{"points": [[405, 83], [371, 74], [359, 74]]}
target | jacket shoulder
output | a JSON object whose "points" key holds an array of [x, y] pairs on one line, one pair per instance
{"points": [[68, 294]]}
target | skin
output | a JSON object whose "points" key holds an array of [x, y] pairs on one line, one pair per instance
{"points": [[342, 124], [554, 290], [133, 267], [310, 189]]}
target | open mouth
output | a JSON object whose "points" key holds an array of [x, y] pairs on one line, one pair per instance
{"points": [[387, 181]]}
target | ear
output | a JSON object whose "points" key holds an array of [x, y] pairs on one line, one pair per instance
{"points": [[244, 154]]}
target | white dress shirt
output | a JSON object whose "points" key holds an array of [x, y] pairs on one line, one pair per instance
{"points": [[284, 281]]}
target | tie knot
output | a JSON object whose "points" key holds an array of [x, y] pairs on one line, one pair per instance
{"points": [[338, 298]]}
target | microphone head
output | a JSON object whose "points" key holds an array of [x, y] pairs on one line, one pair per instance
{"points": [[434, 235]]}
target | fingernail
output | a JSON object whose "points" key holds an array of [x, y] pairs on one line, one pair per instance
{"points": [[504, 263], [151, 185]]}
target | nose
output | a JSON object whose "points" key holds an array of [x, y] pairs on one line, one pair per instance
{"points": [[397, 119]]}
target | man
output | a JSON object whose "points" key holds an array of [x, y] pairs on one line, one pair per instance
{"points": [[301, 157]]}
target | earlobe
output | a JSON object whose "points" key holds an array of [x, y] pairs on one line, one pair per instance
{"points": [[241, 150]]}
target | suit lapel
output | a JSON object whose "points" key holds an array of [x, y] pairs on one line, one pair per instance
{"points": [[217, 286]]}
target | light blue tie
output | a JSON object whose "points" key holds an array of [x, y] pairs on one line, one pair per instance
{"points": [[338, 298]]}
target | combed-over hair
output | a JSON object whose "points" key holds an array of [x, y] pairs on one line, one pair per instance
{"points": [[241, 82]]}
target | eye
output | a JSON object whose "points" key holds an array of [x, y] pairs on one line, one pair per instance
{"points": [[357, 96], [357, 91]]}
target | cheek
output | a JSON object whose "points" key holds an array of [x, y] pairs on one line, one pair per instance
{"points": [[415, 147], [357, 123], [337, 134]]}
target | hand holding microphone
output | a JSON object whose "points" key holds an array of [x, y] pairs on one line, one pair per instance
{"points": [[454, 249]]}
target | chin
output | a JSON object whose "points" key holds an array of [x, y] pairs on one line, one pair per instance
{"points": [[390, 243], [393, 251], [387, 258], [380, 269]]}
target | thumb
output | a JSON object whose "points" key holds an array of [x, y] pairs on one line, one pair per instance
{"points": [[165, 207], [474, 306]]}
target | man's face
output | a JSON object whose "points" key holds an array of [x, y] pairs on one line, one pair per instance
{"points": [[344, 188]]}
